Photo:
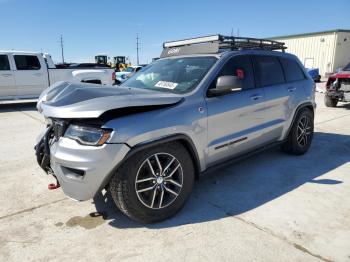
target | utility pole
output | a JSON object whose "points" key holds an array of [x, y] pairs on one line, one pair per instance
{"points": [[237, 32], [137, 48], [61, 42]]}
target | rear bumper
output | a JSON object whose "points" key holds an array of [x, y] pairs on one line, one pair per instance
{"points": [[82, 171]]}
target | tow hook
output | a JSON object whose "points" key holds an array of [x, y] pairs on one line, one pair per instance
{"points": [[53, 186]]}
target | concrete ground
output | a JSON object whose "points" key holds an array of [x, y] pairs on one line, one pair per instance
{"points": [[270, 207]]}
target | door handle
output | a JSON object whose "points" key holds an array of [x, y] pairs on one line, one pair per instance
{"points": [[291, 89], [255, 97], [38, 74], [6, 75]]}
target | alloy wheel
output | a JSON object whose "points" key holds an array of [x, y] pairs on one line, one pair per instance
{"points": [[159, 180], [303, 131]]}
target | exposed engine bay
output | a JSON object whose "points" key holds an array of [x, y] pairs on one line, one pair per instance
{"points": [[339, 88]]}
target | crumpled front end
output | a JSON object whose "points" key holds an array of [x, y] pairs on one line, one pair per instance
{"points": [[76, 146], [80, 170], [338, 87]]}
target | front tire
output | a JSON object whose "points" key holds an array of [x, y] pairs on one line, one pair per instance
{"points": [[154, 184], [301, 134], [330, 102]]}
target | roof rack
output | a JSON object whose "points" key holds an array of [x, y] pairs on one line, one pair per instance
{"points": [[217, 44]]}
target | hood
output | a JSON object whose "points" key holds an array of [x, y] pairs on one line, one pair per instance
{"points": [[81, 100]]}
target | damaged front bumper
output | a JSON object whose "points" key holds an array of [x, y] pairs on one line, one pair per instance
{"points": [[341, 95], [339, 89], [81, 170]]}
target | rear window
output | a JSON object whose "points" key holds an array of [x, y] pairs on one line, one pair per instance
{"points": [[27, 62], [4, 62], [292, 70], [268, 70]]}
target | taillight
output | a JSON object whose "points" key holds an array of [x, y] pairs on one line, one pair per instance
{"points": [[113, 76]]}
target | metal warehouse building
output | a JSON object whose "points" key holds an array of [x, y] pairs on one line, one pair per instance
{"points": [[326, 50]]}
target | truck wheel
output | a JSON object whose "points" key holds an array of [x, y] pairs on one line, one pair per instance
{"points": [[301, 134], [153, 184], [330, 102]]}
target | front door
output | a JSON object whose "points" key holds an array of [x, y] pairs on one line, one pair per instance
{"points": [[7, 80], [236, 120]]}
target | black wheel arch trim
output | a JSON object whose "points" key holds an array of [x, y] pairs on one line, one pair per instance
{"points": [[182, 138], [308, 105]]}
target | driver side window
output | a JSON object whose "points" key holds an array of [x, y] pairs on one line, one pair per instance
{"points": [[241, 67]]}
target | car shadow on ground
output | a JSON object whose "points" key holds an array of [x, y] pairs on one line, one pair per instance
{"points": [[15, 107], [246, 185]]}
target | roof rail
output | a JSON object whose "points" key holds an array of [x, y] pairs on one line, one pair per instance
{"points": [[218, 43]]}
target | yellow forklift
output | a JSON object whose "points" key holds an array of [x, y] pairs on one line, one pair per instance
{"points": [[102, 60], [119, 62]]}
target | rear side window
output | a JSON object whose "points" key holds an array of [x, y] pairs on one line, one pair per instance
{"points": [[4, 62], [27, 62], [268, 70], [241, 67], [292, 70]]}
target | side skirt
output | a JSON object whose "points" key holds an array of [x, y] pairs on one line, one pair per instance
{"points": [[249, 154]]}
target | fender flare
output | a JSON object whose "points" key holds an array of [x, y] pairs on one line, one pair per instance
{"points": [[185, 140], [308, 105]]}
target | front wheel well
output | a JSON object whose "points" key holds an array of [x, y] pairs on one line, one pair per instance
{"points": [[189, 147], [184, 140]]}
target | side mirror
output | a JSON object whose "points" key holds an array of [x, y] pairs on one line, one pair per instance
{"points": [[226, 85]]}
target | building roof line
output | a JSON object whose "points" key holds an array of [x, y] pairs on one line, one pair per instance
{"points": [[310, 34]]}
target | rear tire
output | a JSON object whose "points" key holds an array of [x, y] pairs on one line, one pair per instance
{"points": [[154, 184], [330, 102], [301, 134]]}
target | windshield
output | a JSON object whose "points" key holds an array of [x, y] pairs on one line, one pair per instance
{"points": [[347, 67], [176, 75]]}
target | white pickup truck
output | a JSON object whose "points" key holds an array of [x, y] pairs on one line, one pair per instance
{"points": [[24, 75]]}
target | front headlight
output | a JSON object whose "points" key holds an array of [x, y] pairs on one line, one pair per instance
{"points": [[89, 136]]}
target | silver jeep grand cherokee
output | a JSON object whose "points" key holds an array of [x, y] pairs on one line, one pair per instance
{"points": [[206, 101]]}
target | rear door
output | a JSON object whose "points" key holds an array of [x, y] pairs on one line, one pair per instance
{"points": [[280, 93], [7, 80], [235, 120], [31, 75]]}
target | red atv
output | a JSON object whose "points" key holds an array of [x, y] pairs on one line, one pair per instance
{"points": [[338, 88]]}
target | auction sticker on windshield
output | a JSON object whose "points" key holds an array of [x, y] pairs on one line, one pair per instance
{"points": [[165, 84]]}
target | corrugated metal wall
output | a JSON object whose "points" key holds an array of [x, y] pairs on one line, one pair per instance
{"points": [[314, 50], [342, 53]]}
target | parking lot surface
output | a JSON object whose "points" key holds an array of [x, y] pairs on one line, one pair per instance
{"points": [[270, 207]]}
